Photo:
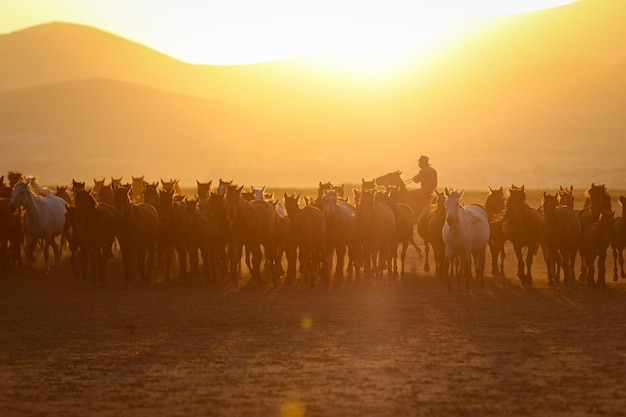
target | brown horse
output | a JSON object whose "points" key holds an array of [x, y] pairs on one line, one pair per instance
{"points": [[137, 229], [71, 236], [411, 197], [204, 189], [494, 207], [174, 228], [618, 241], [341, 233], [307, 227], [11, 236], [597, 200], [151, 194], [201, 239], [429, 227], [524, 227], [252, 223], [376, 226], [566, 196], [138, 185], [404, 228], [106, 194], [97, 185], [95, 231], [562, 237], [595, 242]]}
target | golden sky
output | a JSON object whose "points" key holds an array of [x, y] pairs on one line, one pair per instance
{"points": [[373, 34]]}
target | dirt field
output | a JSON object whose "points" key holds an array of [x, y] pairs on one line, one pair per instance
{"points": [[356, 349]]}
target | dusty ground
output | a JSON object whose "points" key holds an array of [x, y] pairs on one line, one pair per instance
{"points": [[357, 349]]}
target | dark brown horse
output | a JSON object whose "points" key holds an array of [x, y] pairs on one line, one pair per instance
{"points": [[137, 229], [95, 230], [566, 196], [251, 223], [595, 242], [11, 236], [174, 229], [341, 233], [524, 227], [376, 226], [203, 191], [429, 227], [494, 207], [562, 237], [201, 239], [62, 192], [618, 241], [597, 200], [307, 227], [404, 228], [151, 194]]}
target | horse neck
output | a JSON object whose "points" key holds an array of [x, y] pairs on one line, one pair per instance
{"points": [[34, 206]]}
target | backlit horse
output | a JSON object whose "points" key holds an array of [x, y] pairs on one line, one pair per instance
{"points": [[341, 233], [411, 197], [429, 227], [137, 229], [494, 207], [11, 236], [465, 234], [307, 226], [174, 229], [251, 223], [524, 227], [95, 229], [138, 185], [44, 219], [594, 245], [376, 227], [618, 241], [597, 200], [562, 237]]}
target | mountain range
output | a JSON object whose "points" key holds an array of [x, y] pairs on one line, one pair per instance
{"points": [[534, 98]]}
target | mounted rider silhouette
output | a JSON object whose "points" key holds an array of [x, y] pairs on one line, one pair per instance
{"points": [[427, 178]]}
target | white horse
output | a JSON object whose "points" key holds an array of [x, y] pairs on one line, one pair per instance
{"points": [[44, 219], [38, 188], [465, 233]]}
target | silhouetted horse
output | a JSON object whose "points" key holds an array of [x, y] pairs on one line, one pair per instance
{"points": [[174, 228], [562, 237], [596, 241], [524, 227], [106, 194], [43, 220], [95, 229], [618, 241], [376, 226], [341, 232], [138, 185], [411, 197], [404, 228], [494, 207], [137, 229], [252, 223], [465, 234], [201, 239], [566, 196], [429, 227], [11, 236], [62, 192], [216, 207], [77, 186], [151, 194], [597, 200], [97, 185], [203, 190], [307, 227]]}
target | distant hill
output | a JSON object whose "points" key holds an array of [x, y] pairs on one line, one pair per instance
{"points": [[535, 97]]}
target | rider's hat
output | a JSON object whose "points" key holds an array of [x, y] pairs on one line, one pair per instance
{"points": [[423, 159]]}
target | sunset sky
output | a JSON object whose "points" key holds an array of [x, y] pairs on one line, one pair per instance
{"points": [[344, 33]]}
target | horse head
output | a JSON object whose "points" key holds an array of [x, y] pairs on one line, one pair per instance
{"points": [[566, 197], [20, 196], [77, 186], [453, 204], [598, 199], [393, 178], [122, 199], [258, 193], [549, 203], [223, 185], [368, 185]]}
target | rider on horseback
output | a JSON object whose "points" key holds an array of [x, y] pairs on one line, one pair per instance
{"points": [[427, 177]]}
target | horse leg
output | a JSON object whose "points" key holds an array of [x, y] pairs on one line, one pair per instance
{"points": [[602, 270], [427, 252], [182, 259], [256, 258], [590, 270], [502, 256], [529, 263], [340, 254], [56, 250], [615, 261], [520, 263], [479, 259], [621, 261], [405, 246]]}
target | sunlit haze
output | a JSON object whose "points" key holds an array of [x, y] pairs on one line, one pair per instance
{"points": [[369, 35]]}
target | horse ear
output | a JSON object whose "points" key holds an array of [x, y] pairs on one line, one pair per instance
{"points": [[298, 197], [571, 189], [285, 195], [522, 187], [462, 192], [446, 192], [490, 190], [251, 188]]}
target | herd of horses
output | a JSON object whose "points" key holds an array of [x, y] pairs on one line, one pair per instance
{"points": [[209, 234]]}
